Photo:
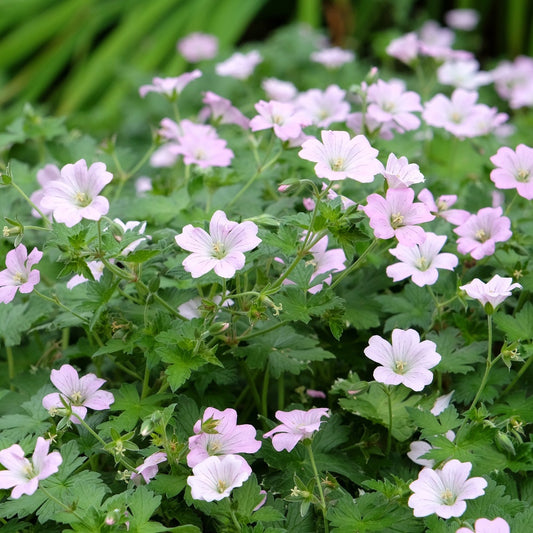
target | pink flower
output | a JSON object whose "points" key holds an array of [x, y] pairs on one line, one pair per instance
{"points": [[198, 46], [143, 185], [239, 66], [44, 176], [463, 73], [97, 270], [333, 58], [480, 233], [483, 525], [220, 250], [460, 115], [420, 447], [444, 491], [404, 48], [397, 216], [297, 425], [198, 307], [132, 226], [390, 102], [148, 469], [75, 195], [214, 478], [338, 157], [406, 361], [218, 433], [514, 81], [24, 475], [462, 19], [222, 111], [170, 87], [441, 403], [400, 174], [324, 107], [420, 262], [282, 91], [283, 117], [514, 170], [312, 393], [325, 261], [493, 292], [442, 205], [78, 393], [18, 276]]}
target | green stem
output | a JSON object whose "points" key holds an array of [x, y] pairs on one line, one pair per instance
{"points": [[56, 301], [356, 265], [281, 392], [63, 505], [128, 371], [10, 365], [389, 432], [146, 382], [235, 521], [125, 176], [253, 388], [37, 228], [516, 379], [264, 392], [323, 505], [25, 196], [160, 300], [262, 331]]}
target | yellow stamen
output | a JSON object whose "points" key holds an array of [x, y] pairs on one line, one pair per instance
{"points": [[396, 220]]}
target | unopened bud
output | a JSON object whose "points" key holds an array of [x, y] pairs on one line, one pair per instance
{"points": [[284, 187], [218, 327], [504, 443]]}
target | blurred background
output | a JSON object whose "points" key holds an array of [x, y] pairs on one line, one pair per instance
{"points": [[85, 59]]}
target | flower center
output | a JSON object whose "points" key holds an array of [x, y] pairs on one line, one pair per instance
{"points": [[77, 398], [456, 117], [221, 486], [337, 164], [399, 367], [199, 154], [481, 235], [396, 220], [82, 199], [388, 106], [523, 175], [19, 278], [422, 263], [277, 119], [448, 497], [219, 250], [29, 470], [213, 447]]}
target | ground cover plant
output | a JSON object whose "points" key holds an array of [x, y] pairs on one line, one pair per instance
{"points": [[297, 299]]}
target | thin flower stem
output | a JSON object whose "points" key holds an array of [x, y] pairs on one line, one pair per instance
{"points": [[128, 371], [160, 300], [516, 379], [253, 388], [10, 366], [56, 301], [352, 268], [323, 505], [264, 392], [125, 176], [146, 382], [281, 392], [389, 432], [63, 505], [25, 196], [235, 521], [37, 228], [263, 331]]}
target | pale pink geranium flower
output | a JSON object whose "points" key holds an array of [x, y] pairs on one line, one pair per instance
{"points": [[198, 46], [217, 433], [441, 207], [514, 170], [324, 261], [399, 173], [296, 426], [44, 176], [148, 469], [239, 66], [143, 185], [419, 448], [76, 194], [132, 226], [397, 216], [404, 48], [19, 276], [324, 107], [493, 292], [221, 111], [443, 492], [420, 262], [338, 157], [333, 57], [282, 91], [514, 81], [214, 478], [480, 233], [97, 270], [312, 393], [309, 203], [462, 19], [463, 73], [24, 475], [389, 103], [198, 307], [483, 525], [170, 87], [406, 360], [221, 250], [282, 117], [78, 393]]}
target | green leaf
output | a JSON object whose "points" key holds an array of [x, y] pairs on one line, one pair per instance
{"points": [[16, 319], [143, 504], [431, 425], [519, 327]]}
